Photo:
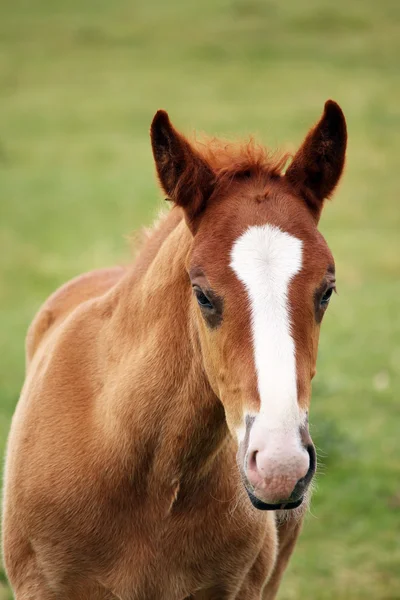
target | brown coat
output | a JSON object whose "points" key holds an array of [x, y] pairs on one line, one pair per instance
{"points": [[121, 479]]}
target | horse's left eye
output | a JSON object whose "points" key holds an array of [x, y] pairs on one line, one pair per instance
{"points": [[326, 297]]}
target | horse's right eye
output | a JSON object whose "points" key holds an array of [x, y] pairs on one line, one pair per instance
{"points": [[202, 299]]}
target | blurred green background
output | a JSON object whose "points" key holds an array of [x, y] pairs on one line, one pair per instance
{"points": [[79, 84]]}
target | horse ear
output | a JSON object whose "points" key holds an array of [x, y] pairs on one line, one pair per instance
{"points": [[318, 164], [184, 175]]}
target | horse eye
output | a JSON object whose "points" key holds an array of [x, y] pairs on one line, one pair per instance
{"points": [[202, 299], [326, 297]]}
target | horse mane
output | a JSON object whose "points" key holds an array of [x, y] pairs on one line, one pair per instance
{"points": [[245, 158]]}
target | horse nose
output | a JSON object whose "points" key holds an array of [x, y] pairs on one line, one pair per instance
{"points": [[280, 470]]}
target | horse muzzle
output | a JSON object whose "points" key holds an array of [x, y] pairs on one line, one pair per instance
{"points": [[277, 466]]}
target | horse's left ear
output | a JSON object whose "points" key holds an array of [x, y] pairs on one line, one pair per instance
{"points": [[184, 175], [318, 164]]}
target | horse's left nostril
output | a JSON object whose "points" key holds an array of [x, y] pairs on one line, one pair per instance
{"points": [[302, 484], [311, 466], [313, 461]]}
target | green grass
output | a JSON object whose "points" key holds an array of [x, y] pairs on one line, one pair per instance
{"points": [[79, 84]]}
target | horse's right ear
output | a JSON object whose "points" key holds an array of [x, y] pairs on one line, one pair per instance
{"points": [[184, 175]]}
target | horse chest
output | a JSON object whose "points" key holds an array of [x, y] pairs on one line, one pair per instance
{"points": [[198, 549], [208, 535]]}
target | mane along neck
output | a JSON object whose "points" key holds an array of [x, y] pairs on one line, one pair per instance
{"points": [[165, 405]]}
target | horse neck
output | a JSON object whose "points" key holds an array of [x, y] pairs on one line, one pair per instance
{"points": [[169, 409]]}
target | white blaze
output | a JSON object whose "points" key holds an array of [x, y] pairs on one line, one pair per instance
{"points": [[265, 259]]}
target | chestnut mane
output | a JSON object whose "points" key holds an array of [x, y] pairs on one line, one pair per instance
{"points": [[240, 159]]}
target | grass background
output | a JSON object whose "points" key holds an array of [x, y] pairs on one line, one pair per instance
{"points": [[79, 84]]}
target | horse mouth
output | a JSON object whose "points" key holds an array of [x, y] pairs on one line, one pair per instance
{"points": [[260, 505]]}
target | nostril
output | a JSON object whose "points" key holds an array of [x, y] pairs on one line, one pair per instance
{"points": [[303, 483], [252, 461], [313, 460]]}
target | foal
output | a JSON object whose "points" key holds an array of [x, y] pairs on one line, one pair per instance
{"points": [[161, 437]]}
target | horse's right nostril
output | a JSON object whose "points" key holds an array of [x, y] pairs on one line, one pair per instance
{"points": [[252, 461]]}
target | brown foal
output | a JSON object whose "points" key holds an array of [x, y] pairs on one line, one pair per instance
{"points": [[160, 448]]}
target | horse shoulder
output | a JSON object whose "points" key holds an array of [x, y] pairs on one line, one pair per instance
{"points": [[65, 299]]}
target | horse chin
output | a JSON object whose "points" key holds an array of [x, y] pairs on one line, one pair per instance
{"points": [[260, 505]]}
